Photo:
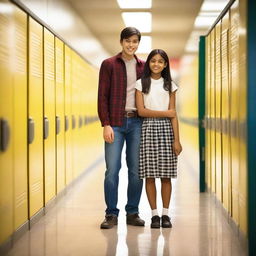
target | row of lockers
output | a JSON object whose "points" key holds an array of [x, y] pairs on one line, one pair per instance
{"points": [[225, 122], [48, 115]]}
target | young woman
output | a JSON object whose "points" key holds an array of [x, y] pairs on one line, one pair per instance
{"points": [[160, 143]]}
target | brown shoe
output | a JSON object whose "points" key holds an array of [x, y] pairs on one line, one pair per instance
{"points": [[134, 219], [155, 222], [166, 221], [109, 222]]}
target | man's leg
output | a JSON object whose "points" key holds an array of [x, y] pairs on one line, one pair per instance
{"points": [[132, 159], [113, 152]]}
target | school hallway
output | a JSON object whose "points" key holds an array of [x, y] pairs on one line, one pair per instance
{"points": [[71, 226]]}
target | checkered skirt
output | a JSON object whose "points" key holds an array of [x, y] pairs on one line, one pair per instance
{"points": [[157, 159]]}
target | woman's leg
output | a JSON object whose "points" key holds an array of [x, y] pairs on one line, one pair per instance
{"points": [[151, 192], [166, 191]]}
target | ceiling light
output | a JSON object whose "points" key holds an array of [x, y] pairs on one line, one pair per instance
{"points": [[141, 20], [6, 8], [204, 22], [214, 5], [145, 45], [134, 4]]}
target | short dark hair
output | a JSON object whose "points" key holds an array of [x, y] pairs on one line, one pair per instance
{"points": [[128, 32]]}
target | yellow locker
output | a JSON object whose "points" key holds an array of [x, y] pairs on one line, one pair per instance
{"points": [[68, 116], [234, 87], [207, 113], [6, 126], [218, 145], [225, 116], [213, 114], [242, 112], [75, 108], [49, 117], [35, 122], [19, 51], [60, 123]]}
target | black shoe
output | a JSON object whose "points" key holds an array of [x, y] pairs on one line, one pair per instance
{"points": [[134, 219], [155, 222], [166, 222], [109, 222]]}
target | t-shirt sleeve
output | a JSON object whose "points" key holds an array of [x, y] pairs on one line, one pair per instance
{"points": [[138, 85], [174, 86]]}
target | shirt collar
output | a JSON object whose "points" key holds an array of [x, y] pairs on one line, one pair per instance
{"points": [[119, 56]]}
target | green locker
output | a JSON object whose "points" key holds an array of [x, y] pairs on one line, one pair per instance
{"points": [[35, 120], [49, 117], [60, 123]]}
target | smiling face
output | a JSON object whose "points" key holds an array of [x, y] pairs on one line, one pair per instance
{"points": [[156, 65], [129, 45]]}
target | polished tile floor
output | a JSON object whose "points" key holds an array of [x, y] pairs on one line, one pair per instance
{"points": [[71, 227]]}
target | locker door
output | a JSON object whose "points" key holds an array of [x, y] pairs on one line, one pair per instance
{"points": [[6, 127], [75, 107], [35, 113], [218, 113], [226, 114], [68, 116], [208, 113], [20, 119], [234, 86], [49, 117], [59, 79], [213, 114], [243, 171]]}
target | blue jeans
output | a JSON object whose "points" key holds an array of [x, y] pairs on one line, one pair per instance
{"points": [[130, 133]]}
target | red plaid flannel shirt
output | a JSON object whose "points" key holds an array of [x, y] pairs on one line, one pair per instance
{"points": [[112, 89]]}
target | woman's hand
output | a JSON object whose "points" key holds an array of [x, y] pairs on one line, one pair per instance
{"points": [[171, 113], [177, 148], [108, 134]]}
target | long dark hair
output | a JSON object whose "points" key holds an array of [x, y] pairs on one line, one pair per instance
{"points": [[146, 77]]}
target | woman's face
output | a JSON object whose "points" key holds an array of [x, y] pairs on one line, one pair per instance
{"points": [[157, 64]]}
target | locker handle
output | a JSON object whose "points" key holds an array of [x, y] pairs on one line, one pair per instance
{"points": [[57, 124], [5, 134], [66, 123], [73, 122], [80, 121], [31, 130], [46, 127]]}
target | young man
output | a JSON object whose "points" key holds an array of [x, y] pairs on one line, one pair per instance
{"points": [[118, 116]]}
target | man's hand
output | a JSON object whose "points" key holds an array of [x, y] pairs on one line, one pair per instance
{"points": [[108, 134]]}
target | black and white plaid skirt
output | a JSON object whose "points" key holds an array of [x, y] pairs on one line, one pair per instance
{"points": [[157, 159]]}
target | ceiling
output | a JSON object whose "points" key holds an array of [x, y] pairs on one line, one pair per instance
{"points": [[172, 22]]}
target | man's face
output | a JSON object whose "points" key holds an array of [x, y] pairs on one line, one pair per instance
{"points": [[130, 45]]}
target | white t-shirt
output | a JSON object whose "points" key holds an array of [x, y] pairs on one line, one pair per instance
{"points": [[131, 80], [157, 98]]}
